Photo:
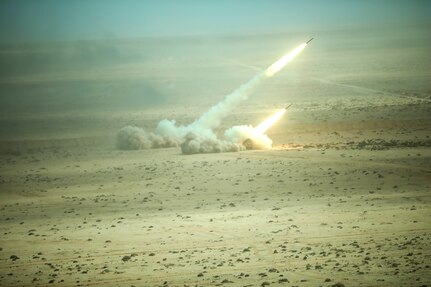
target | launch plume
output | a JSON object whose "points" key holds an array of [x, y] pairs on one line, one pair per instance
{"points": [[199, 136], [254, 138]]}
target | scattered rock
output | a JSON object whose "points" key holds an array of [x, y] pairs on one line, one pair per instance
{"points": [[14, 257], [126, 258]]}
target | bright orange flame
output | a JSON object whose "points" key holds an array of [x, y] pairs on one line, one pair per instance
{"points": [[269, 122], [277, 66]]}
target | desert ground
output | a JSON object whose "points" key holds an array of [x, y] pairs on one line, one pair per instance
{"points": [[342, 199]]}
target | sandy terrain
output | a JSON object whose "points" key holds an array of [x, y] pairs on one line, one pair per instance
{"points": [[343, 196]]}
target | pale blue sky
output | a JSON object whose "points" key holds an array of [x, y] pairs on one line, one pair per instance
{"points": [[53, 20]]}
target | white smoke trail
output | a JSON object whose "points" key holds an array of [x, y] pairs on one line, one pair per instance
{"points": [[199, 136], [212, 118]]}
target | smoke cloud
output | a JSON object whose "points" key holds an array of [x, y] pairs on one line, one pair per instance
{"points": [[199, 136], [132, 138], [197, 144]]}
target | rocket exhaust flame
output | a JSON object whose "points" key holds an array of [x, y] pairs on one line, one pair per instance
{"points": [[277, 66], [269, 122]]}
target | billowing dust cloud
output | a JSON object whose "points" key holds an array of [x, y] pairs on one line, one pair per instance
{"points": [[130, 138], [199, 136]]}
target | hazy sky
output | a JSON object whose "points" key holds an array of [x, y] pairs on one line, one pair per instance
{"points": [[48, 20]]}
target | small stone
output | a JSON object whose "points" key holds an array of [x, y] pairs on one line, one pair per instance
{"points": [[14, 257], [125, 258]]}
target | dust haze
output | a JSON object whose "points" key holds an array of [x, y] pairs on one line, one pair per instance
{"points": [[114, 172]]}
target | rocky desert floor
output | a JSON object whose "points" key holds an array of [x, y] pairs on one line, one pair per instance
{"points": [[301, 214]]}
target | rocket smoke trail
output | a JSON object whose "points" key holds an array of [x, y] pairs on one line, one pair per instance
{"points": [[199, 136], [212, 118]]}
